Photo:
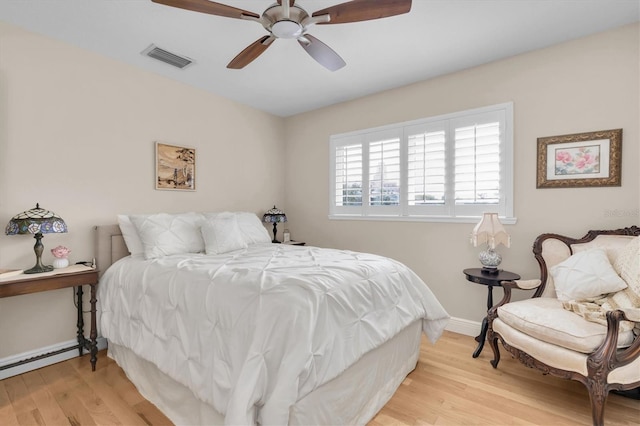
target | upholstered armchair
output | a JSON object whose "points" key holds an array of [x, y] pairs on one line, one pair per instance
{"points": [[582, 322]]}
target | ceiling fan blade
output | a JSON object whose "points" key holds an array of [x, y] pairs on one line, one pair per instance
{"points": [[363, 10], [322, 53], [251, 52], [206, 6]]}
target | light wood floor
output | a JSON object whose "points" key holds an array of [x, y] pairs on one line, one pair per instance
{"points": [[448, 387]]}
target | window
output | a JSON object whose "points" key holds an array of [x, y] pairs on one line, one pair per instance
{"points": [[446, 168]]}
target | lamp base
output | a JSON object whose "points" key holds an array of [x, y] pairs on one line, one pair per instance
{"points": [[490, 260], [490, 270], [38, 269], [275, 231], [38, 248]]}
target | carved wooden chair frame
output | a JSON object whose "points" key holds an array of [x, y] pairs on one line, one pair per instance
{"points": [[600, 362]]}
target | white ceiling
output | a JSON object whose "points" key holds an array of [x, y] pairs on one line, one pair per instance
{"points": [[437, 37]]}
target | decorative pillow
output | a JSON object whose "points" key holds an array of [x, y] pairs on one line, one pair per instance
{"points": [[163, 234], [221, 234], [584, 275], [627, 264], [130, 235], [252, 229]]}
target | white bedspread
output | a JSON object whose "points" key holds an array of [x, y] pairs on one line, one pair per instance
{"points": [[253, 331]]}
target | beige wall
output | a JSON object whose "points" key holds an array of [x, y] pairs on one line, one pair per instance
{"points": [[77, 134], [579, 86]]}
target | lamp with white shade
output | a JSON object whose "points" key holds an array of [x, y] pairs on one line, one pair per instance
{"points": [[490, 231]]}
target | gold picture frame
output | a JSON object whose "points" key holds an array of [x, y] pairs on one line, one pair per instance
{"points": [[175, 167], [580, 160]]}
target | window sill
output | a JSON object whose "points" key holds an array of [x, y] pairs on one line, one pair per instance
{"points": [[441, 219]]}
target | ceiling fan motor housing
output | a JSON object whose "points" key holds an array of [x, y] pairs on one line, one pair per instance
{"points": [[281, 26]]}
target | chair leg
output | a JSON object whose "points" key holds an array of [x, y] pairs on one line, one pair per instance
{"points": [[598, 398], [493, 341]]}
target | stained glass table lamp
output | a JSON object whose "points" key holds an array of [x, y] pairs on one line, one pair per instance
{"points": [[36, 221], [274, 216]]}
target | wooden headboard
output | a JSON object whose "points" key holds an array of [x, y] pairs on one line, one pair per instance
{"points": [[110, 246]]}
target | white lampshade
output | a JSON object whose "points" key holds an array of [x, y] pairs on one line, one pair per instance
{"points": [[490, 231]]}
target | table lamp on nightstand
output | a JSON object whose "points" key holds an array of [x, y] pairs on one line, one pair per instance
{"points": [[274, 216], [36, 221], [490, 231]]}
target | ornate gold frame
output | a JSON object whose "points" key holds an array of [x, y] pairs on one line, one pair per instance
{"points": [[614, 139]]}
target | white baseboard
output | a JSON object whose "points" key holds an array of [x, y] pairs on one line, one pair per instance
{"points": [[19, 369], [463, 326]]}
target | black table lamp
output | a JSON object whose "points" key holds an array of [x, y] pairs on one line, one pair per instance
{"points": [[36, 221], [274, 216]]}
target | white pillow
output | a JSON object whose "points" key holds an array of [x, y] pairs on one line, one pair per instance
{"points": [[130, 235], [252, 229], [585, 274], [164, 234], [221, 234]]}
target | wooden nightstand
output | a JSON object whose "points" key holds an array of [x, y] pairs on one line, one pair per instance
{"points": [[27, 284], [478, 276]]}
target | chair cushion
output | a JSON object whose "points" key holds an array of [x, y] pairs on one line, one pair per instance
{"points": [[545, 319]]}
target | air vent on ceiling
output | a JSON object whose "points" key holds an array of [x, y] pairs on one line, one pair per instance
{"points": [[155, 52]]}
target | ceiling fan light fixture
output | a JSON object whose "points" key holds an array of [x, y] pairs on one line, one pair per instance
{"points": [[286, 28]]}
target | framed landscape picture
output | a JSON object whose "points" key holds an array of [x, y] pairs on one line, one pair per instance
{"points": [[580, 160], [175, 167]]}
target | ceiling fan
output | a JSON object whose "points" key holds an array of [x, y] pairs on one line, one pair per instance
{"points": [[285, 19]]}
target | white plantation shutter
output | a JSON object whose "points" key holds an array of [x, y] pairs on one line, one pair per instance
{"points": [[426, 169], [384, 172], [453, 167], [426, 166], [347, 178], [349, 175], [477, 171], [477, 164]]}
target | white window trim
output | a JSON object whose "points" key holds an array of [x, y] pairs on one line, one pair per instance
{"points": [[365, 212]]}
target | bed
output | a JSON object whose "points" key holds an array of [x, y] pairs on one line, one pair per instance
{"points": [[242, 331]]}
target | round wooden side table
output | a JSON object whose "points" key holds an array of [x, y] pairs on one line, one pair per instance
{"points": [[478, 276]]}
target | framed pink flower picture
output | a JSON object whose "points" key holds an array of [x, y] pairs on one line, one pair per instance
{"points": [[580, 160]]}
